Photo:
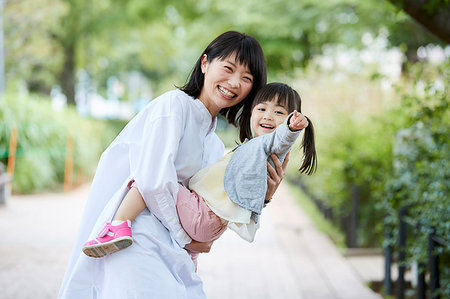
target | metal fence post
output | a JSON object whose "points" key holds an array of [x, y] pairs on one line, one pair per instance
{"points": [[354, 216], [401, 254], [433, 263], [387, 264], [421, 287]]}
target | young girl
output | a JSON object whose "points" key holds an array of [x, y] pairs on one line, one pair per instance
{"points": [[230, 192], [166, 143]]}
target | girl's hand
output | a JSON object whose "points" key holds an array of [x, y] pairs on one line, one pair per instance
{"points": [[199, 246], [298, 121], [276, 175]]}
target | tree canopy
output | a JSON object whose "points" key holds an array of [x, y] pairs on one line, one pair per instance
{"points": [[48, 41]]}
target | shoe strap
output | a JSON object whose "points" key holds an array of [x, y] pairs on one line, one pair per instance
{"points": [[104, 231]]}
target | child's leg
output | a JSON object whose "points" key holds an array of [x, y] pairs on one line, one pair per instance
{"points": [[117, 235], [132, 205]]}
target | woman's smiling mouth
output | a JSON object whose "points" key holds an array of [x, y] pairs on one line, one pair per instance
{"points": [[226, 92]]}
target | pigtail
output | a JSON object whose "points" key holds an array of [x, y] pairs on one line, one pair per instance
{"points": [[309, 165]]}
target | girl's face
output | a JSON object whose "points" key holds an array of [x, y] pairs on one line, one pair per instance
{"points": [[266, 117], [227, 82]]}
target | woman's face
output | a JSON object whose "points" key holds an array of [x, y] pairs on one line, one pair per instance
{"points": [[227, 82]]}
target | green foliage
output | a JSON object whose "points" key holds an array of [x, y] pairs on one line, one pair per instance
{"points": [[162, 39], [397, 158], [42, 138], [359, 152], [420, 180], [355, 153]]}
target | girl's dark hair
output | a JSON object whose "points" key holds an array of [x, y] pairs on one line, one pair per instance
{"points": [[249, 53], [289, 98]]}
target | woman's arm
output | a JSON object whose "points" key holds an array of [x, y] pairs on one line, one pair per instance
{"points": [[275, 176], [153, 151]]}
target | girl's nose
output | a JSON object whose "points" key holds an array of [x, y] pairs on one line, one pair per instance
{"points": [[267, 115]]}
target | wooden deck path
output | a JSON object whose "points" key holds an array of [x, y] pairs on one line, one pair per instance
{"points": [[289, 258]]}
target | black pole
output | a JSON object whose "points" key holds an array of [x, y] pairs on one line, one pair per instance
{"points": [[421, 288], [354, 216], [433, 263], [387, 263], [401, 254]]}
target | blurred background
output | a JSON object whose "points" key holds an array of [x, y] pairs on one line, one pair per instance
{"points": [[373, 76]]}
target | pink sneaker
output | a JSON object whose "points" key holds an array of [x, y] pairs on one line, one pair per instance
{"points": [[112, 238]]}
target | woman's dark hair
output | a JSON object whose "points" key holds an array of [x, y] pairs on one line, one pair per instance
{"points": [[249, 53], [290, 99]]}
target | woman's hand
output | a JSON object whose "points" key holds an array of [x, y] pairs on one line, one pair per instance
{"points": [[276, 175], [199, 246]]}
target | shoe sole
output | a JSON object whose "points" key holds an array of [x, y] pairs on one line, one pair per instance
{"points": [[103, 249]]}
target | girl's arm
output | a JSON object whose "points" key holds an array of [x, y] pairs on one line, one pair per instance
{"points": [[280, 141], [296, 122]]}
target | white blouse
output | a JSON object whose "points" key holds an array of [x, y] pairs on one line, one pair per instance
{"points": [[166, 143]]}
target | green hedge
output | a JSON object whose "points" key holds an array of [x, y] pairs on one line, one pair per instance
{"points": [[354, 154], [420, 179], [42, 134], [400, 158]]}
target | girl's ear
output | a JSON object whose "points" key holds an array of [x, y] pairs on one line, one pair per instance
{"points": [[204, 63]]}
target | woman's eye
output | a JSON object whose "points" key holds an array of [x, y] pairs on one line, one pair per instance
{"points": [[228, 68], [248, 79], [261, 109]]}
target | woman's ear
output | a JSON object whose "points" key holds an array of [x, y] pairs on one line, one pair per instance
{"points": [[204, 63]]}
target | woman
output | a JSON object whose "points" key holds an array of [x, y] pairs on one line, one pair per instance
{"points": [[166, 143]]}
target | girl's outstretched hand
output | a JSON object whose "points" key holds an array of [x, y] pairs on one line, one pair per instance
{"points": [[276, 175], [298, 121]]}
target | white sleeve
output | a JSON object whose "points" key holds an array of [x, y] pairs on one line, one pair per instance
{"points": [[152, 165]]}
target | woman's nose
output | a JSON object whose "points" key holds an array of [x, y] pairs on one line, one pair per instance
{"points": [[234, 81]]}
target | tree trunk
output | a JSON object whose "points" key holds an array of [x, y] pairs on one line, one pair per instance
{"points": [[67, 75], [437, 22]]}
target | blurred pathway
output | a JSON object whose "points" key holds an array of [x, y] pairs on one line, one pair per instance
{"points": [[289, 258], [37, 232]]}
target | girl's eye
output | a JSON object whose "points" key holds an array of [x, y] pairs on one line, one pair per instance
{"points": [[261, 109], [279, 112], [228, 68]]}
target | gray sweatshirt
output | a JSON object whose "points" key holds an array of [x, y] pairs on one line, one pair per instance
{"points": [[245, 180]]}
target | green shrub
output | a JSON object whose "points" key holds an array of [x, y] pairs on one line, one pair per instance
{"points": [[356, 153], [420, 180], [42, 135]]}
